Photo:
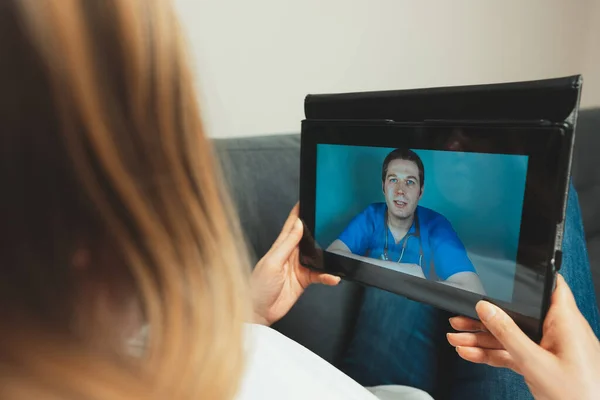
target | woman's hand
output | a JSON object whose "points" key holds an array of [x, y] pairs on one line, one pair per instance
{"points": [[566, 364], [278, 279]]}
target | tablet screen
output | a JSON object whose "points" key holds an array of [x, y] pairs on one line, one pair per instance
{"points": [[443, 215], [455, 215]]}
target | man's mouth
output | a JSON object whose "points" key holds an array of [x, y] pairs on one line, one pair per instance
{"points": [[400, 203]]}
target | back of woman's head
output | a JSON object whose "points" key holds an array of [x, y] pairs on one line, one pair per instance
{"points": [[110, 210]]}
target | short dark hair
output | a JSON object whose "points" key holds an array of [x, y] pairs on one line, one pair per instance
{"points": [[404, 154]]}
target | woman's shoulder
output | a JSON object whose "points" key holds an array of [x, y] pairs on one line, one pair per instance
{"points": [[280, 368]]}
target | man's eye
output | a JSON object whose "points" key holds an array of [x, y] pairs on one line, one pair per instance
{"points": [[410, 182], [393, 180]]}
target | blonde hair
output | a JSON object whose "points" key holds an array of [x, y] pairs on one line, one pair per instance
{"points": [[105, 151]]}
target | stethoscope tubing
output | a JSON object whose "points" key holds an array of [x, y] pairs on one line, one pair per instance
{"points": [[406, 238]]}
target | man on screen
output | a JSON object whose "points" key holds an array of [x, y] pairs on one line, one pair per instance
{"points": [[401, 235]]}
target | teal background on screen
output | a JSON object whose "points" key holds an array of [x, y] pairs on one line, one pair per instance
{"points": [[480, 194]]}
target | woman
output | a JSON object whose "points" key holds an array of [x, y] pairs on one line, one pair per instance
{"points": [[113, 218]]}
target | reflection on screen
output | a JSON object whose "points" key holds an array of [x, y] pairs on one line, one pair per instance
{"points": [[447, 216]]}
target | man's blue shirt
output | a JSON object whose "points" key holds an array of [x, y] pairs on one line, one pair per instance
{"points": [[366, 233]]}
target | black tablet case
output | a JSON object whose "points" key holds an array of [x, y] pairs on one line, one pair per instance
{"points": [[549, 101], [553, 100]]}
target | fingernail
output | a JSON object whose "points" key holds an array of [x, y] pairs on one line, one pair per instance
{"points": [[486, 310], [298, 224], [457, 348]]}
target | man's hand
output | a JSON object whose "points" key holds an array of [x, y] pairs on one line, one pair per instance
{"points": [[338, 247], [566, 364], [278, 279], [467, 281]]}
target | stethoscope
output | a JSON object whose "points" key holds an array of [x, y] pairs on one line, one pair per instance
{"points": [[416, 235]]}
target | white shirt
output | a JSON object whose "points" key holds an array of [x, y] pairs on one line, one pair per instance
{"points": [[279, 368]]}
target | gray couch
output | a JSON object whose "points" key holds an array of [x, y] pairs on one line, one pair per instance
{"points": [[263, 176]]}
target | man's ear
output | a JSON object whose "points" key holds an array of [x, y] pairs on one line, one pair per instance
{"points": [[422, 190]]}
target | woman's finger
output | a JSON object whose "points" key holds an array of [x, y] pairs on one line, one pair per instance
{"points": [[466, 324], [483, 340], [495, 358]]}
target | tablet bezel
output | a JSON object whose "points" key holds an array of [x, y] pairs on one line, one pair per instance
{"points": [[549, 148]]}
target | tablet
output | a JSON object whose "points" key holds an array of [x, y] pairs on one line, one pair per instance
{"points": [[442, 213]]}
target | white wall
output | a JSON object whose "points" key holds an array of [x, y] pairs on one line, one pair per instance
{"points": [[591, 61], [257, 59]]}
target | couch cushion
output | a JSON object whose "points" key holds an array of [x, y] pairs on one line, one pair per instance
{"points": [[263, 177], [262, 174], [586, 174], [586, 178], [593, 244]]}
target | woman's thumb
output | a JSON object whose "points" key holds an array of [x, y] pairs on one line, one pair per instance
{"points": [[563, 299], [289, 243], [522, 349]]}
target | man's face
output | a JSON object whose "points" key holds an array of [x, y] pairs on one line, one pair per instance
{"points": [[402, 188]]}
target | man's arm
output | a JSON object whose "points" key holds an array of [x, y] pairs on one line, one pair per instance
{"points": [[451, 261], [340, 248], [466, 280]]}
